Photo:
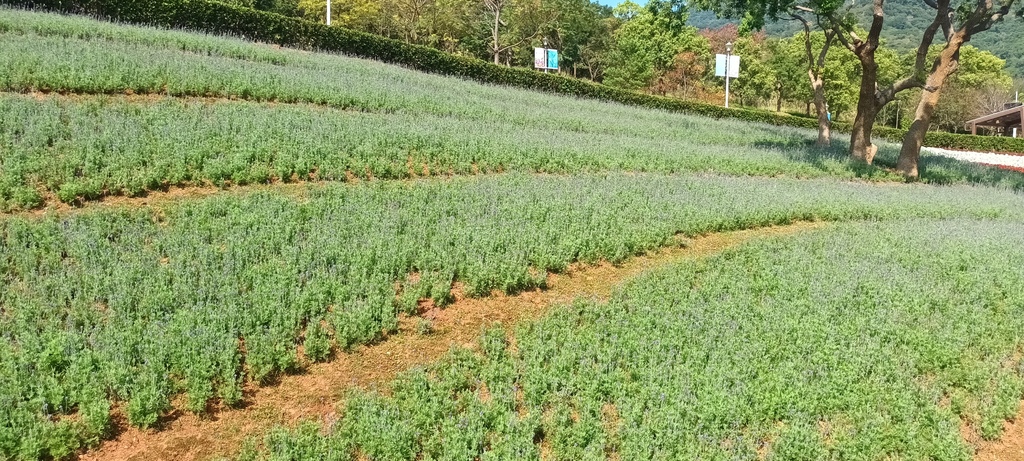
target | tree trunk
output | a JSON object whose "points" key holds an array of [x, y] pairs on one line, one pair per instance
{"points": [[495, 35], [861, 147], [946, 64], [824, 130]]}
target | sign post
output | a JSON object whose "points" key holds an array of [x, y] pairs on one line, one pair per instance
{"points": [[728, 66], [328, 12], [545, 58]]}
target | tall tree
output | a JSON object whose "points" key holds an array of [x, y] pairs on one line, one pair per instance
{"points": [[816, 75], [577, 29], [808, 13], [757, 78], [514, 23], [648, 42], [594, 53], [788, 62], [979, 87], [958, 25]]}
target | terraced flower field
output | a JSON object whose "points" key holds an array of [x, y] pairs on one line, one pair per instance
{"points": [[810, 347], [211, 110], [888, 336]]}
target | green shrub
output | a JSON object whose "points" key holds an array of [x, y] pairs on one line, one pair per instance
{"points": [[318, 342]]}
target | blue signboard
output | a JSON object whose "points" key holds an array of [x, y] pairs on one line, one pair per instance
{"points": [[552, 59]]}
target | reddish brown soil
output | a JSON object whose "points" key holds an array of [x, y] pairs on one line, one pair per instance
{"points": [[51, 204], [316, 392], [1006, 167], [1009, 447]]}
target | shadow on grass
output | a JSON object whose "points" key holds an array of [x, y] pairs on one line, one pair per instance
{"points": [[833, 160], [934, 169]]}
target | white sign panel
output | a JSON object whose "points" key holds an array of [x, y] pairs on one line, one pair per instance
{"points": [[720, 65], [545, 58], [540, 58]]}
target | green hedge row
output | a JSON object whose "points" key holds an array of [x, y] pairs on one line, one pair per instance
{"points": [[958, 141], [218, 18]]}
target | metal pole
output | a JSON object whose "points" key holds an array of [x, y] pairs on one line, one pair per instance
{"points": [[728, 55], [328, 12]]}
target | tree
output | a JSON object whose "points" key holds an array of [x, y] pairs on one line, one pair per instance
{"points": [[581, 33], [594, 53], [815, 73], [352, 14], [756, 81], [529, 19], [788, 63], [648, 42], [958, 25], [808, 13], [979, 87], [685, 79]]}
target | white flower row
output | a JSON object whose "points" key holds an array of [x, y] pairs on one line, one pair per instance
{"points": [[980, 157]]}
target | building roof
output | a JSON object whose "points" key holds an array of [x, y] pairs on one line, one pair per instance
{"points": [[1006, 117]]}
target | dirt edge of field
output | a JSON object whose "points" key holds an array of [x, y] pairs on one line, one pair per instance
{"points": [[315, 393], [1009, 446]]}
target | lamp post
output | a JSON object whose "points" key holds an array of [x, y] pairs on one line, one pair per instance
{"points": [[728, 58], [328, 12], [545, 51]]}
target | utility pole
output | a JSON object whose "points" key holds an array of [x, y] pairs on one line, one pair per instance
{"points": [[328, 12], [545, 51], [728, 57]]}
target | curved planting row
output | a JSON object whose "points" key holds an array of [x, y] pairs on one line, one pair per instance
{"points": [[138, 305], [865, 341]]}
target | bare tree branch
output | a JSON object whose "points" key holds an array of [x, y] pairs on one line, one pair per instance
{"points": [[988, 17], [830, 37]]}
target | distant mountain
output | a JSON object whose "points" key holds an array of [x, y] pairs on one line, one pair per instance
{"points": [[904, 22]]}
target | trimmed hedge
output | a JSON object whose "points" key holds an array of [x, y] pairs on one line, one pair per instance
{"points": [[958, 141], [221, 19]]}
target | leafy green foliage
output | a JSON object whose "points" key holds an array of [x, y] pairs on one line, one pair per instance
{"points": [[318, 341], [838, 344], [122, 305], [904, 23], [647, 43]]}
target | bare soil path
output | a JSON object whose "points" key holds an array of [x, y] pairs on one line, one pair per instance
{"points": [[315, 393], [1009, 446]]}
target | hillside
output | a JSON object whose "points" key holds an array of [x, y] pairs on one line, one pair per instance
{"points": [[212, 247]]}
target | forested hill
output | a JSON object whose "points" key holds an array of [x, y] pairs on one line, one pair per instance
{"points": [[905, 20]]}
